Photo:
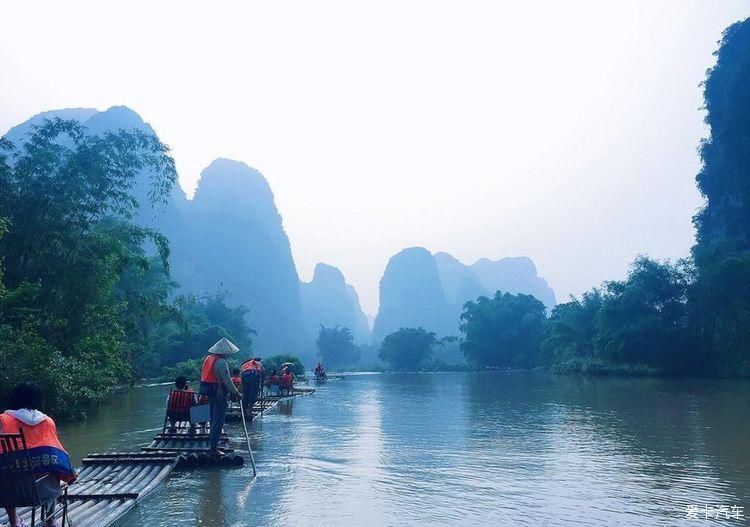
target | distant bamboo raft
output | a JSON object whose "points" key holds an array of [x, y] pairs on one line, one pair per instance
{"points": [[264, 404]]}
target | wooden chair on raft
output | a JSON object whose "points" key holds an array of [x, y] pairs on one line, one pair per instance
{"points": [[18, 484]]}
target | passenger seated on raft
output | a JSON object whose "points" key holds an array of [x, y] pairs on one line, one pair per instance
{"points": [[43, 446], [273, 383], [181, 398]]}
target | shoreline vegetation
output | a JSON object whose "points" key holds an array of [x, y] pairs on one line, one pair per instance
{"points": [[88, 302]]}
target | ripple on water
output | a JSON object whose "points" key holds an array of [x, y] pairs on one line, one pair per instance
{"points": [[465, 449]]}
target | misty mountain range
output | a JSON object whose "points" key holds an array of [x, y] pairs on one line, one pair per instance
{"points": [[230, 238], [422, 289]]}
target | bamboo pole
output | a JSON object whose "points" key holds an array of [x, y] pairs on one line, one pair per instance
{"points": [[249, 448]]}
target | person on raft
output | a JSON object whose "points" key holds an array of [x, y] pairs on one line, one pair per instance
{"points": [[287, 379], [217, 385], [273, 383], [178, 405], [49, 459], [252, 376]]}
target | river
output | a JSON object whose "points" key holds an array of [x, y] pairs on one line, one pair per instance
{"points": [[460, 449]]}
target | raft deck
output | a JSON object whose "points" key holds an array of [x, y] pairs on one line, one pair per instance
{"points": [[109, 485]]}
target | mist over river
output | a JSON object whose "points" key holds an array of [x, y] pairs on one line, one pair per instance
{"points": [[459, 449]]}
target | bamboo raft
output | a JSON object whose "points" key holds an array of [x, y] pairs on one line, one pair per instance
{"points": [[264, 404], [192, 450], [110, 484]]}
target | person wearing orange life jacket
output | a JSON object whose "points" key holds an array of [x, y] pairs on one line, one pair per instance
{"points": [[320, 372], [49, 459], [181, 398], [287, 379], [273, 383], [252, 377], [217, 385]]}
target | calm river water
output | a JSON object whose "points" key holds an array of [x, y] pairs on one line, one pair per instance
{"points": [[460, 449]]}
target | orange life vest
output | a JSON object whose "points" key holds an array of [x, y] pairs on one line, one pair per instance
{"points": [[45, 451], [209, 382], [237, 381], [286, 380], [252, 366]]}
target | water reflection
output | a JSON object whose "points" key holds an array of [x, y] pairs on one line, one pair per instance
{"points": [[285, 407], [459, 449], [212, 503]]}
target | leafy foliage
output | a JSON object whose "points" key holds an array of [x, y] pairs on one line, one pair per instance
{"points": [[640, 324], [274, 362], [643, 318], [336, 347], [571, 329], [408, 348], [198, 324], [66, 200], [502, 331]]}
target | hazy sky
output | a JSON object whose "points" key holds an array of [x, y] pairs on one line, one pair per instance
{"points": [[563, 130]]}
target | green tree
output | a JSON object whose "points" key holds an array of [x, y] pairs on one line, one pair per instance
{"points": [[336, 347], [274, 362], [643, 318], [637, 325], [502, 331], [198, 324], [143, 292], [408, 348], [67, 198], [719, 316], [570, 331]]}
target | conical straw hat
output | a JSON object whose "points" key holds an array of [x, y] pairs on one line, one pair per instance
{"points": [[223, 347]]}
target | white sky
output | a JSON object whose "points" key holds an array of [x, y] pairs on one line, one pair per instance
{"points": [[564, 131]]}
